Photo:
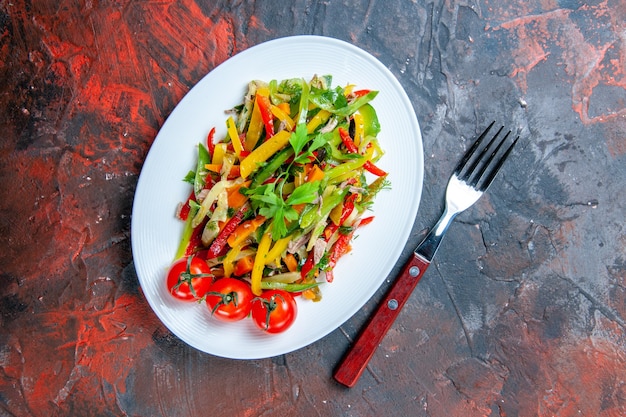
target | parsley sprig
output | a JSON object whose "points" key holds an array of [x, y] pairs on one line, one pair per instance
{"points": [[269, 198], [300, 138]]}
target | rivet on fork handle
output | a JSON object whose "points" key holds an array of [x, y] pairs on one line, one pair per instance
{"points": [[363, 348]]}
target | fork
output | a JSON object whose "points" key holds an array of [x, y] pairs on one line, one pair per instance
{"points": [[470, 179]]}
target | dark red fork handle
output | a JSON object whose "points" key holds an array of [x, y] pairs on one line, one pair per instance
{"points": [[361, 351]]}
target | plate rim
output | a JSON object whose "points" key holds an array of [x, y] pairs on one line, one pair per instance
{"points": [[234, 59]]}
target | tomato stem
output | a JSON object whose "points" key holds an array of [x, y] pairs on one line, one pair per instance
{"points": [[270, 306], [187, 276], [225, 299]]}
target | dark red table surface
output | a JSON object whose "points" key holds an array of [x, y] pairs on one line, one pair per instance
{"points": [[522, 313]]}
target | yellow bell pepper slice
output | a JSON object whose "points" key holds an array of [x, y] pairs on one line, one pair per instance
{"points": [[229, 260], [261, 154], [218, 153], [234, 135], [321, 117], [300, 176], [259, 262], [359, 128], [285, 107], [279, 247], [255, 128], [335, 214], [283, 117]]}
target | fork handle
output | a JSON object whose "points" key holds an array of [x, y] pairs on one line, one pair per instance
{"points": [[361, 351]]}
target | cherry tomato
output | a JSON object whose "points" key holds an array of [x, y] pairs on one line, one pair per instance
{"points": [[229, 299], [185, 271], [274, 311]]}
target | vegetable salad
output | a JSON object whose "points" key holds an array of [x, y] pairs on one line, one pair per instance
{"points": [[277, 201]]}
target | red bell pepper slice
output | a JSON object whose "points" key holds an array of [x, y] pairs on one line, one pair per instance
{"points": [[308, 266], [347, 140], [351, 147], [221, 240], [234, 172], [366, 220], [339, 249], [348, 206], [184, 210], [361, 93], [195, 238], [374, 169], [209, 142], [266, 114]]}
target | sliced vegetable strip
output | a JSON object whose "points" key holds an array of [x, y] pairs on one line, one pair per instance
{"points": [[219, 243], [259, 263], [263, 153]]}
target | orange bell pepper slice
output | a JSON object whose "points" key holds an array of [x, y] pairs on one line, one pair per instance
{"points": [[244, 265], [315, 174], [235, 198], [244, 230], [217, 168], [291, 262]]}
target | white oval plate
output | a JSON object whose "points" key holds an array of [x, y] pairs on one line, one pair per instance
{"points": [[156, 232]]}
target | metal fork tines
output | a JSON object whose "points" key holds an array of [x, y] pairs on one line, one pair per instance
{"points": [[472, 175], [484, 166]]}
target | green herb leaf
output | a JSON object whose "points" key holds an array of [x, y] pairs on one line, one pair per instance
{"points": [[305, 193], [346, 230], [190, 177], [291, 214], [299, 138], [279, 228], [320, 140], [328, 99], [272, 206]]}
